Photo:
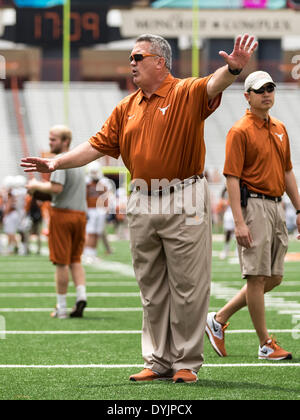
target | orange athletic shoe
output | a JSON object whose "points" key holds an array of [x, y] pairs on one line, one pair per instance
{"points": [[185, 376], [272, 351], [216, 334], [148, 375]]}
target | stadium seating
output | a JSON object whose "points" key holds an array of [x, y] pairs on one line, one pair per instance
{"points": [[11, 151], [89, 106]]}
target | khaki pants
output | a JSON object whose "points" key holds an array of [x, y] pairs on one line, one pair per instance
{"points": [[172, 262]]}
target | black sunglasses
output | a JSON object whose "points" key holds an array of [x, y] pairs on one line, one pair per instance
{"points": [[140, 57], [269, 89]]}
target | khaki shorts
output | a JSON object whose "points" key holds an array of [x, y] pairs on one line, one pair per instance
{"points": [[266, 221], [66, 236]]}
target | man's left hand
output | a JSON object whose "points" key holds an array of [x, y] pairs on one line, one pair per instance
{"points": [[242, 52], [298, 226]]}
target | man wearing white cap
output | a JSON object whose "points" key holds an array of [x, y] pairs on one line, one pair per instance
{"points": [[258, 170]]}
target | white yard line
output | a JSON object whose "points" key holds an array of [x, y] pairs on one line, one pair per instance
{"points": [[92, 366], [219, 290], [52, 284], [285, 294], [58, 332], [53, 295], [15, 310], [121, 332], [128, 284], [241, 283], [128, 309], [273, 300], [110, 266], [289, 312], [39, 276], [114, 267]]}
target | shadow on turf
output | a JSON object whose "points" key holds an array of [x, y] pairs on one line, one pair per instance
{"points": [[203, 383], [92, 318], [242, 386]]}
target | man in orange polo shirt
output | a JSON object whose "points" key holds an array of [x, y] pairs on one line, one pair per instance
{"points": [[259, 170], [158, 131]]}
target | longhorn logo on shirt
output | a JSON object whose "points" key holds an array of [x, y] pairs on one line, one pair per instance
{"points": [[164, 110], [280, 136]]}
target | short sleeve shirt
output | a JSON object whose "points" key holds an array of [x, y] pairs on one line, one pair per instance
{"points": [[161, 137], [258, 152], [73, 196]]}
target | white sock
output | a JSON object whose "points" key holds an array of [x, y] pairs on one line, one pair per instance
{"points": [[81, 293], [93, 252], [226, 247], [90, 252], [62, 302]]}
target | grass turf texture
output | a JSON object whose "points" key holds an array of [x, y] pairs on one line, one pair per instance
{"points": [[216, 381]]}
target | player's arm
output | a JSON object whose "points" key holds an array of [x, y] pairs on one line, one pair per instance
{"points": [[44, 187], [244, 47], [242, 232], [293, 193], [79, 156]]}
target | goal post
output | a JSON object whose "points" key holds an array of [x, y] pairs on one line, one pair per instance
{"points": [[119, 172]]}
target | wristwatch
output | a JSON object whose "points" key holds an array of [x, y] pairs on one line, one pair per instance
{"points": [[235, 72], [297, 212]]}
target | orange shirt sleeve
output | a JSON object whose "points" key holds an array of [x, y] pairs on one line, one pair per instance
{"points": [[234, 153], [106, 141]]}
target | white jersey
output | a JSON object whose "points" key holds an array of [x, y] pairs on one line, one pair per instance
{"points": [[96, 221]]}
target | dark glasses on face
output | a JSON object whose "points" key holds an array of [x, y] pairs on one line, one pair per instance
{"points": [[269, 89], [140, 57]]}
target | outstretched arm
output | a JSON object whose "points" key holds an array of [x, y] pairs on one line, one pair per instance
{"points": [[79, 156], [244, 48]]}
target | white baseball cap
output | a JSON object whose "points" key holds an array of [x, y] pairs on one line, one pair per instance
{"points": [[257, 79], [94, 170]]}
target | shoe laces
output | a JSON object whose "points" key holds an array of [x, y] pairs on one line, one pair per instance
{"points": [[224, 327], [221, 327], [274, 343]]}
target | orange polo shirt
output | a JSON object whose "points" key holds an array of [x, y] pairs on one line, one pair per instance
{"points": [[160, 137], [258, 152]]}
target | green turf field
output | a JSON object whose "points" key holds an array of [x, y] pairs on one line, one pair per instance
{"points": [[92, 358]]}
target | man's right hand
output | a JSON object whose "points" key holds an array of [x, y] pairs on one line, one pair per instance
{"points": [[36, 164], [243, 235]]}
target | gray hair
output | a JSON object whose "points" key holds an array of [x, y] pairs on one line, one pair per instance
{"points": [[160, 46]]}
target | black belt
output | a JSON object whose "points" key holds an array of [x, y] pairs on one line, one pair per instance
{"points": [[253, 194], [172, 188]]}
